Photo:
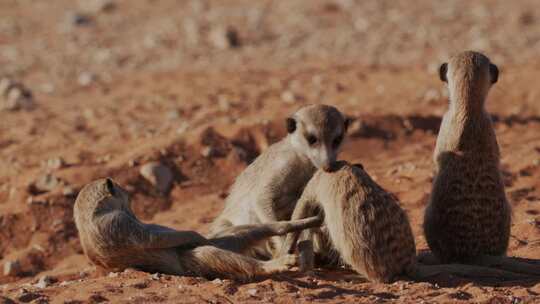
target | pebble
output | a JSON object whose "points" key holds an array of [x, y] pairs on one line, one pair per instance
{"points": [[46, 183], [14, 96], [55, 163], [79, 19], [288, 97], [85, 79], [12, 268], [68, 191], [224, 38], [45, 281], [159, 175], [252, 292]]}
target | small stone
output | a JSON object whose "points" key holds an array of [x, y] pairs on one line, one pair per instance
{"points": [[45, 281], [224, 38], [14, 96], [55, 163], [155, 276], [209, 152], [252, 292], [12, 268], [86, 79], [68, 191], [46, 183], [288, 97], [217, 281], [79, 19], [356, 127], [113, 274], [159, 175]]}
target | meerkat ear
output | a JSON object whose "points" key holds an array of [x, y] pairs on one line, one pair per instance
{"points": [[494, 72], [291, 125], [442, 72], [110, 186]]}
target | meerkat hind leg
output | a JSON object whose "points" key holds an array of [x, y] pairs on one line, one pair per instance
{"points": [[508, 263], [241, 238], [210, 261], [463, 270]]}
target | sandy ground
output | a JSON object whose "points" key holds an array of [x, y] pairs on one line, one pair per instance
{"points": [[118, 84]]}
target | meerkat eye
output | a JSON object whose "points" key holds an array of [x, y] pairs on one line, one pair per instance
{"points": [[494, 72], [337, 141], [442, 72], [311, 139]]}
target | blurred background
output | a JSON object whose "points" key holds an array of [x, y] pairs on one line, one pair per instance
{"points": [[60, 42]]}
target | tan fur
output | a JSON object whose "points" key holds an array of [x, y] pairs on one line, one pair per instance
{"points": [[268, 189], [468, 214], [368, 229], [364, 222], [112, 237]]}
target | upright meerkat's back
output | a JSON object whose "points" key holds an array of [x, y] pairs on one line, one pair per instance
{"points": [[468, 214], [365, 224]]}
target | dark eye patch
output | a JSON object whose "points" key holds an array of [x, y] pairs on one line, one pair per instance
{"points": [[311, 139], [337, 141]]}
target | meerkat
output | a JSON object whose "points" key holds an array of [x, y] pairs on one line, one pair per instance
{"points": [[468, 217], [368, 228], [267, 190], [112, 237]]}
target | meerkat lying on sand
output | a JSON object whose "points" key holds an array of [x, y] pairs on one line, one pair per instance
{"points": [[268, 189], [468, 216], [368, 229], [114, 238]]}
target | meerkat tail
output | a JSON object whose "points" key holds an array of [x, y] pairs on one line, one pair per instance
{"points": [[508, 263], [471, 271], [210, 261], [241, 238]]}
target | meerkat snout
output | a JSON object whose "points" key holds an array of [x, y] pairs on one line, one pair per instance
{"points": [[318, 132]]}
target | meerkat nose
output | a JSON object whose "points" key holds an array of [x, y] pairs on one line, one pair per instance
{"points": [[328, 166]]}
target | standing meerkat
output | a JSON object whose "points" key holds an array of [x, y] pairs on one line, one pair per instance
{"points": [[112, 237], [368, 228], [267, 190], [468, 216]]}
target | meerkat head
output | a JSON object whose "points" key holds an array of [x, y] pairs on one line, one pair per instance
{"points": [[103, 195], [469, 76], [317, 131]]}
